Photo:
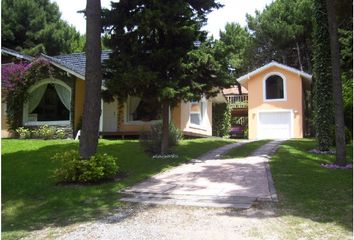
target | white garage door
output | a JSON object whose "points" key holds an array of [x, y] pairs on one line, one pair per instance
{"points": [[274, 125]]}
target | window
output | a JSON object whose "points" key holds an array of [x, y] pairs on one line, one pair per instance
{"points": [[274, 87], [49, 103], [196, 114], [143, 109], [50, 107]]}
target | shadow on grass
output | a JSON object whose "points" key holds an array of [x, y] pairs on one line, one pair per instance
{"points": [[32, 200]]}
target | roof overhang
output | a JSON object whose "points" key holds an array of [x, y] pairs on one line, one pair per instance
{"points": [[16, 54], [244, 79]]}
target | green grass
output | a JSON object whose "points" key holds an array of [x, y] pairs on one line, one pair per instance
{"points": [[245, 150], [308, 191], [32, 200]]}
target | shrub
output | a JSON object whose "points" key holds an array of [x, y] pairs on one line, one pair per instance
{"points": [[151, 141], [221, 119], [23, 133], [76, 170], [61, 134], [47, 132]]}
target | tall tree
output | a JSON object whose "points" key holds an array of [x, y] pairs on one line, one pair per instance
{"points": [[154, 52], [93, 79], [34, 26], [322, 89], [336, 83], [282, 32]]}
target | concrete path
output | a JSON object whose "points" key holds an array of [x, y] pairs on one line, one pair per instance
{"points": [[212, 182]]}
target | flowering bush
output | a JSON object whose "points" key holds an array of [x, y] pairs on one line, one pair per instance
{"points": [[16, 80]]}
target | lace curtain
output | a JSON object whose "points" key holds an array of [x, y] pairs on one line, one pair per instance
{"points": [[64, 95], [36, 97]]}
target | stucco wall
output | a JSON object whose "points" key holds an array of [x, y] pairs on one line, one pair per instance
{"points": [[294, 100], [79, 101], [4, 126]]}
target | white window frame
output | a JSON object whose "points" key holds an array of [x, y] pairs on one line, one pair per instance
{"points": [[285, 97], [39, 123], [202, 113]]}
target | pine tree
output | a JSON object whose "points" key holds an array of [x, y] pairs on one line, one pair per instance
{"points": [[154, 52]]}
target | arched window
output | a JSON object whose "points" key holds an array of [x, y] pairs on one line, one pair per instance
{"points": [[274, 87], [49, 103]]}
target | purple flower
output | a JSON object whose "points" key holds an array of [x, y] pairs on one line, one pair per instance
{"points": [[12, 74]]}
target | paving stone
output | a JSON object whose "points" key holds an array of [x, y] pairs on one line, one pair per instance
{"points": [[211, 181]]}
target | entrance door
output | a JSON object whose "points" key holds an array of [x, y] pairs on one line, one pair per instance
{"points": [[110, 117], [274, 125]]}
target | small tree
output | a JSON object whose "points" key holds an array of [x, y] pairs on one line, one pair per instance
{"points": [[154, 53]]}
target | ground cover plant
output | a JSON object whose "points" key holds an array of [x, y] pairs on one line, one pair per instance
{"points": [[308, 191], [31, 198]]}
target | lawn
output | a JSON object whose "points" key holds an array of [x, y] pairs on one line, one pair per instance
{"points": [[310, 197], [31, 199], [245, 150]]}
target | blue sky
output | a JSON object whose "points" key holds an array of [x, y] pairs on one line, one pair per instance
{"points": [[233, 11]]}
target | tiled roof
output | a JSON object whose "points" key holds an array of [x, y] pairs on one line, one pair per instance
{"points": [[234, 90], [74, 63], [16, 54]]}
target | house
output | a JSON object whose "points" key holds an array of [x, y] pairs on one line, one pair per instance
{"points": [[276, 101], [59, 102]]}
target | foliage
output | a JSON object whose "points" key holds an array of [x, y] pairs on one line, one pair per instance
{"points": [[23, 132], [154, 52], [221, 119], [76, 170], [34, 27], [47, 132], [281, 32], [233, 49], [16, 79], [322, 88], [151, 141], [43, 132], [246, 132]]}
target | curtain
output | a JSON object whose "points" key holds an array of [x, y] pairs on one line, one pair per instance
{"points": [[133, 105], [36, 97], [64, 95]]}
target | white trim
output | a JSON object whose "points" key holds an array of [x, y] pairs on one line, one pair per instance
{"points": [[202, 114], [291, 111], [25, 105], [51, 123], [101, 117], [243, 80], [285, 98], [62, 67]]}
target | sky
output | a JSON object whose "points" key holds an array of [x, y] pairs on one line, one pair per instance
{"points": [[233, 11]]}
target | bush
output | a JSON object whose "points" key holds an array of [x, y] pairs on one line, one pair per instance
{"points": [[75, 170], [60, 133], [221, 119], [23, 133], [151, 141], [47, 132]]}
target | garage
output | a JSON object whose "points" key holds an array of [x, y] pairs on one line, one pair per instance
{"points": [[275, 125]]}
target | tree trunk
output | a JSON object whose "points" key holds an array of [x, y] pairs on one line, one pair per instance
{"points": [[337, 84], [165, 126], [93, 80]]}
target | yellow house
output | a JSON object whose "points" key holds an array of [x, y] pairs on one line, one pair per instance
{"points": [[276, 101], [59, 102]]}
